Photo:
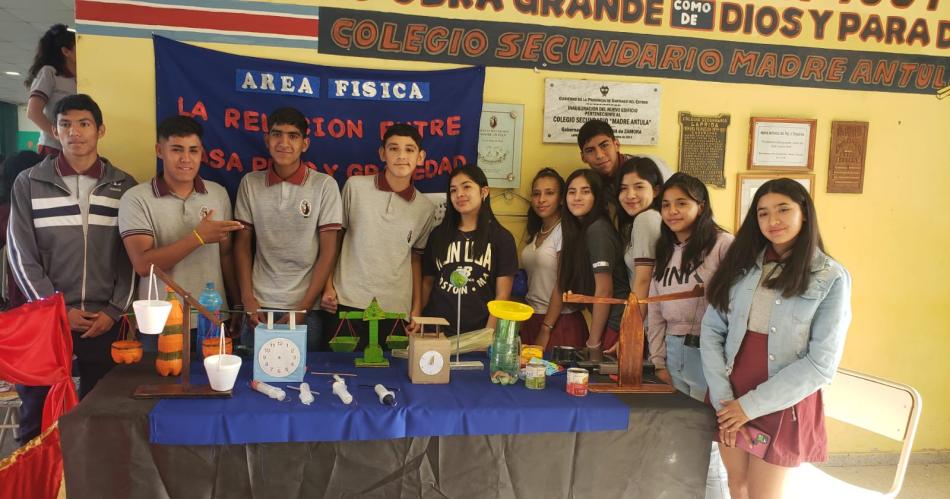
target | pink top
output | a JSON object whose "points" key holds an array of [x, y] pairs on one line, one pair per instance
{"points": [[680, 317]]}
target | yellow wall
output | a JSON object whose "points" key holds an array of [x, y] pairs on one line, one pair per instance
{"points": [[894, 238]]}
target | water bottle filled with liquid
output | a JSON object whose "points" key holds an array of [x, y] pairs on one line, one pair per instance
{"points": [[210, 299]]}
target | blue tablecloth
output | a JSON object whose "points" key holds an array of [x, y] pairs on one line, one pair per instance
{"points": [[469, 405]]}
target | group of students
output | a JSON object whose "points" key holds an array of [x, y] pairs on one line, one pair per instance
{"points": [[771, 334], [81, 226], [768, 333]]}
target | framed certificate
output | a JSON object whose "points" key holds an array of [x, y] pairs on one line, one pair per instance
{"points": [[748, 183], [781, 144]]}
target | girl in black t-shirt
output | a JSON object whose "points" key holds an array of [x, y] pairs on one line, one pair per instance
{"points": [[469, 240], [592, 255]]}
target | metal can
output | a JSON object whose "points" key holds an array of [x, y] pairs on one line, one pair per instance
{"points": [[564, 355], [534, 376], [577, 380]]}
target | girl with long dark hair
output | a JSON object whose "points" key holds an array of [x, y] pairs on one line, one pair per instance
{"points": [[554, 323], [471, 240], [689, 250], [51, 77], [592, 256], [773, 335], [638, 219]]}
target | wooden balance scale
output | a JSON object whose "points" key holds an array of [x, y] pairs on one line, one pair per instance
{"points": [[630, 343], [185, 389]]}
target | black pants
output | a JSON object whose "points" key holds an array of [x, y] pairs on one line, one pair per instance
{"points": [[94, 361], [361, 327]]}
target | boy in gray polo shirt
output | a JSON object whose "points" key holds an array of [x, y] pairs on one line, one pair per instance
{"points": [[386, 223], [295, 214], [179, 222]]}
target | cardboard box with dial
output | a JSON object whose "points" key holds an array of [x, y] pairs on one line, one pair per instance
{"points": [[429, 352]]}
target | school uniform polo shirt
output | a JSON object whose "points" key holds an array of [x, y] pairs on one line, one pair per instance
{"points": [[383, 229], [287, 216], [152, 209], [51, 87]]}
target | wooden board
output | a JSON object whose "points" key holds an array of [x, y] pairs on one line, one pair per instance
{"points": [[641, 388], [178, 392]]}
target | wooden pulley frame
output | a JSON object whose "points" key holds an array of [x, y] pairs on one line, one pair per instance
{"points": [[630, 343]]}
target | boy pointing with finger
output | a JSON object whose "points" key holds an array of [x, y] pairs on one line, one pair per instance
{"points": [[179, 222]]}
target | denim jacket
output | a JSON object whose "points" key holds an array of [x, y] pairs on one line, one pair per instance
{"points": [[806, 338]]}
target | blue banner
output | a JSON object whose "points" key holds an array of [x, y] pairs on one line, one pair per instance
{"points": [[348, 109]]}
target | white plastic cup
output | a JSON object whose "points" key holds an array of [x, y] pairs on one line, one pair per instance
{"points": [[151, 315], [222, 371]]}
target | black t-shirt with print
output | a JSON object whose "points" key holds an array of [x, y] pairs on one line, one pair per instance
{"points": [[499, 259]]}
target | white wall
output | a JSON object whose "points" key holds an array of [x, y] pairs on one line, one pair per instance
{"points": [[25, 124]]}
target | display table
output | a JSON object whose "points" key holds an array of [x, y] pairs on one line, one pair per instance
{"points": [[469, 405], [663, 453]]}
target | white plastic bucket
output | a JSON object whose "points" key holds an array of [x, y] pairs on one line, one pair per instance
{"points": [[222, 371], [151, 314]]}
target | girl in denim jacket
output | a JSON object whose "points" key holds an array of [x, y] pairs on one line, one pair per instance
{"points": [[774, 332]]}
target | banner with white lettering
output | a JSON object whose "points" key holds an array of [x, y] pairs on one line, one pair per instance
{"points": [[348, 110]]}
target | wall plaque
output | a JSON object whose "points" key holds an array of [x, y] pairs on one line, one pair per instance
{"points": [[781, 144], [499, 144], [632, 109], [849, 147], [703, 147]]}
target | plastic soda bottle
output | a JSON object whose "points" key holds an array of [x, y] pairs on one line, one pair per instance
{"points": [[506, 346], [211, 300]]}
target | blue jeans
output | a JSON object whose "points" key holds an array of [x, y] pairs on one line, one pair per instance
{"points": [[685, 367], [312, 320]]}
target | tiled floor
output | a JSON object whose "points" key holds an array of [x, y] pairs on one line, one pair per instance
{"points": [[7, 446], [923, 481]]}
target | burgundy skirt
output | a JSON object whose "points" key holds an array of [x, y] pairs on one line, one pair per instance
{"points": [[610, 337], [570, 331], [798, 432]]}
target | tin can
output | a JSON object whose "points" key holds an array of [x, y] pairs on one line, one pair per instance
{"points": [[577, 380], [534, 376], [529, 352], [564, 355]]}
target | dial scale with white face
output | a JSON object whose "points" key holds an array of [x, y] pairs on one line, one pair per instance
{"points": [[280, 353], [429, 354], [431, 362]]}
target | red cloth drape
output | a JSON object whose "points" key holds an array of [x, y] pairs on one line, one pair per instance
{"points": [[36, 349], [34, 471]]}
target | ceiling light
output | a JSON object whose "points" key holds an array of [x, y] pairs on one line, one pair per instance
{"points": [[11, 73]]}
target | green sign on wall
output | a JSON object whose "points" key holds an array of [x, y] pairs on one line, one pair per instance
{"points": [[27, 140]]}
